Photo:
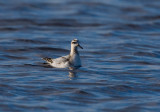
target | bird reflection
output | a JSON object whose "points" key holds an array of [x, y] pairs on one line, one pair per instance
{"points": [[72, 72]]}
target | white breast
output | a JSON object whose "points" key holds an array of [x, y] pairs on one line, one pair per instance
{"points": [[75, 60]]}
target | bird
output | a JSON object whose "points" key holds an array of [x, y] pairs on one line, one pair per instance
{"points": [[71, 61]]}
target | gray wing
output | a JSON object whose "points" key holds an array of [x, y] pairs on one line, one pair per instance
{"points": [[59, 60], [62, 59], [48, 60]]}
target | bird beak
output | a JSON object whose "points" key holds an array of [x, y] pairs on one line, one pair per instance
{"points": [[80, 46]]}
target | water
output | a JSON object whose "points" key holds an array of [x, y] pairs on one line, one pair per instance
{"points": [[121, 55]]}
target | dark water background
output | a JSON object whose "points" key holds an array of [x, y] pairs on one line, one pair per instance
{"points": [[121, 55]]}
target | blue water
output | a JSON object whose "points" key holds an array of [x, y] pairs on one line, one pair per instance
{"points": [[121, 55]]}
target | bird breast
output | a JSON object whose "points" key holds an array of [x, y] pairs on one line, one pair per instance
{"points": [[75, 60]]}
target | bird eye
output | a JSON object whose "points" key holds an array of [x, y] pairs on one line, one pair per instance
{"points": [[74, 42]]}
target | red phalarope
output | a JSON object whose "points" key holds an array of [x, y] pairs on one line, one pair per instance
{"points": [[70, 61]]}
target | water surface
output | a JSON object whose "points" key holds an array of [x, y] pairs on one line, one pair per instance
{"points": [[121, 55]]}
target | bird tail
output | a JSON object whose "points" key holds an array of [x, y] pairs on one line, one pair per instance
{"points": [[49, 60]]}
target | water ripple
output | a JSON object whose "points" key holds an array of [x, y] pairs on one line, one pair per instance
{"points": [[120, 59]]}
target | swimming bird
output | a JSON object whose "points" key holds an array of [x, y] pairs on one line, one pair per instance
{"points": [[70, 61]]}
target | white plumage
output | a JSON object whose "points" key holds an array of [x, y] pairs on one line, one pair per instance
{"points": [[70, 61]]}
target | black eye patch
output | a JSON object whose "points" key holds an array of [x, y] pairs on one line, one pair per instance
{"points": [[74, 42]]}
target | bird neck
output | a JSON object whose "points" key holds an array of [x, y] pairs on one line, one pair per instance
{"points": [[73, 50]]}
